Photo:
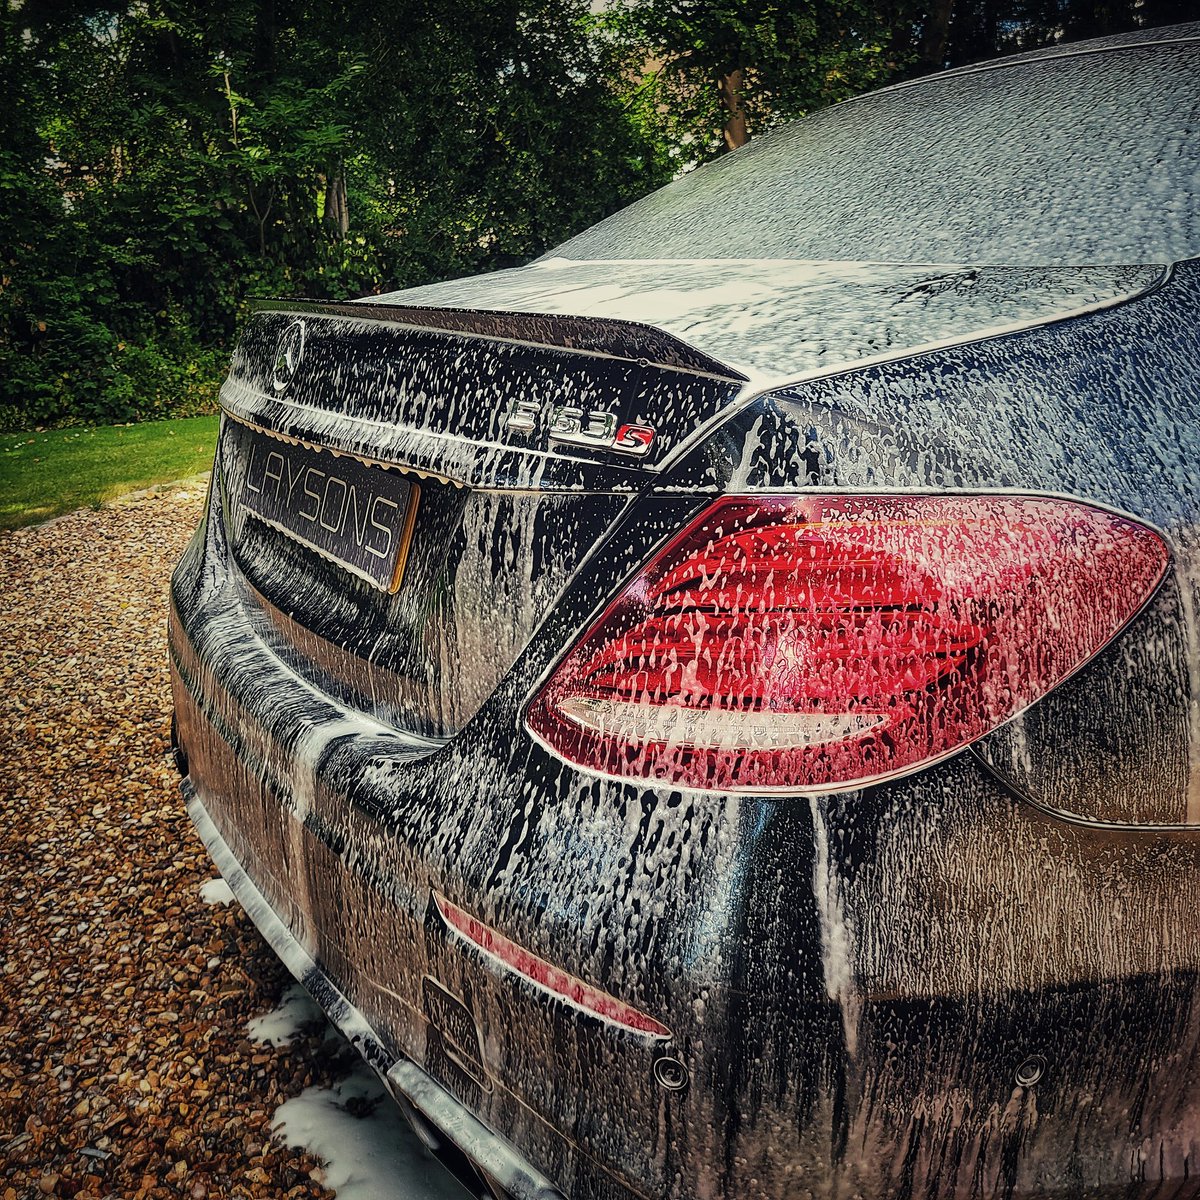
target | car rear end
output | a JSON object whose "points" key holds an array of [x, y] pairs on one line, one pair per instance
{"points": [[687, 782]]}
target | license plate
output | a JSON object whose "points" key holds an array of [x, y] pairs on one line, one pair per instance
{"points": [[357, 514]]}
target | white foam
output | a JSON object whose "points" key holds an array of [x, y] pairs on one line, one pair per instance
{"points": [[216, 891], [371, 1157], [281, 1025]]}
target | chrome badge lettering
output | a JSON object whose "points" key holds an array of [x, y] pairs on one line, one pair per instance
{"points": [[570, 425]]}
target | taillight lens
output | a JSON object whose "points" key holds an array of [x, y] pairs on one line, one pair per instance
{"points": [[799, 644]]}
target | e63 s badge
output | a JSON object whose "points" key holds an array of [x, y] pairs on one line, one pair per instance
{"points": [[572, 426]]}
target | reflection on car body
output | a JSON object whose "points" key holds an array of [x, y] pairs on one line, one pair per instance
{"points": [[806, 801]]}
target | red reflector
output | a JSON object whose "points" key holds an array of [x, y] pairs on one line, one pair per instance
{"points": [[801, 644], [545, 975]]}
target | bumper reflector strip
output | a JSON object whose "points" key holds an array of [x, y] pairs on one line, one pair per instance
{"points": [[546, 976]]}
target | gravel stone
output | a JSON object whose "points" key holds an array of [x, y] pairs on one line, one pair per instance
{"points": [[125, 1070]]}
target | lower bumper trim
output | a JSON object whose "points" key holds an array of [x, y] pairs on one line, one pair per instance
{"points": [[406, 1081]]}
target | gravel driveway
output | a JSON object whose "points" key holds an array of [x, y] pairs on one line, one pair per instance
{"points": [[125, 1066]]}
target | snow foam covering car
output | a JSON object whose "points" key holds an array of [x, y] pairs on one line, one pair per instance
{"points": [[715, 713]]}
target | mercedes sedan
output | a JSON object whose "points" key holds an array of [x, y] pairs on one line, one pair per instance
{"points": [[714, 714]]}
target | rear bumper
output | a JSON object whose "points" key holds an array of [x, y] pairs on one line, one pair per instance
{"points": [[853, 984], [412, 1088], [284, 784]]}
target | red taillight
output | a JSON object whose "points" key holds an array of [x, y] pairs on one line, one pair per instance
{"points": [[795, 644]]}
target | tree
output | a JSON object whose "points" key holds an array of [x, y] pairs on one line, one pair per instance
{"points": [[731, 67], [180, 156]]}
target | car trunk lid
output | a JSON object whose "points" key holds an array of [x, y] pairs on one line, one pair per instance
{"points": [[499, 427], [478, 456], [771, 321]]}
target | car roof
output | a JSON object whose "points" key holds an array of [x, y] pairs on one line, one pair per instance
{"points": [[1075, 154], [1163, 35]]}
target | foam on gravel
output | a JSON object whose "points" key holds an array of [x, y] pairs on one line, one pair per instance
{"points": [[282, 1025], [216, 891], [370, 1153]]}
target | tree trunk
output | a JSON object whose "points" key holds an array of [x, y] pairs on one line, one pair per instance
{"points": [[934, 35], [730, 88], [337, 208]]}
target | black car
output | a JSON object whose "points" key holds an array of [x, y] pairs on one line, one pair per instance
{"points": [[714, 714]]}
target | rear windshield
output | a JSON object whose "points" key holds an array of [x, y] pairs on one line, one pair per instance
{"points": [[1087, 158]]}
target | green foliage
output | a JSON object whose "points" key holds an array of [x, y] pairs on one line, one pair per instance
{"points": [[163, 161], [783, 57]]}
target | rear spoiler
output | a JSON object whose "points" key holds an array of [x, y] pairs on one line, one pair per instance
{"points": [[592, 335]]}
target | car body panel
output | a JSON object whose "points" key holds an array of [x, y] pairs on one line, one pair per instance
{"points": [[437, 401], [1103, 408]]}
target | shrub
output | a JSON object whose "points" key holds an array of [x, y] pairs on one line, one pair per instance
{"points": [[73, 370]]}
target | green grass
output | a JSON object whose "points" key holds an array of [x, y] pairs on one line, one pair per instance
{"points": [[45, 474]]}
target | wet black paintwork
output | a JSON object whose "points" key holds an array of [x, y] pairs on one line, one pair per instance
{"points": [[615, 339], [437, 400], [857, 984], [854, 982]]}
